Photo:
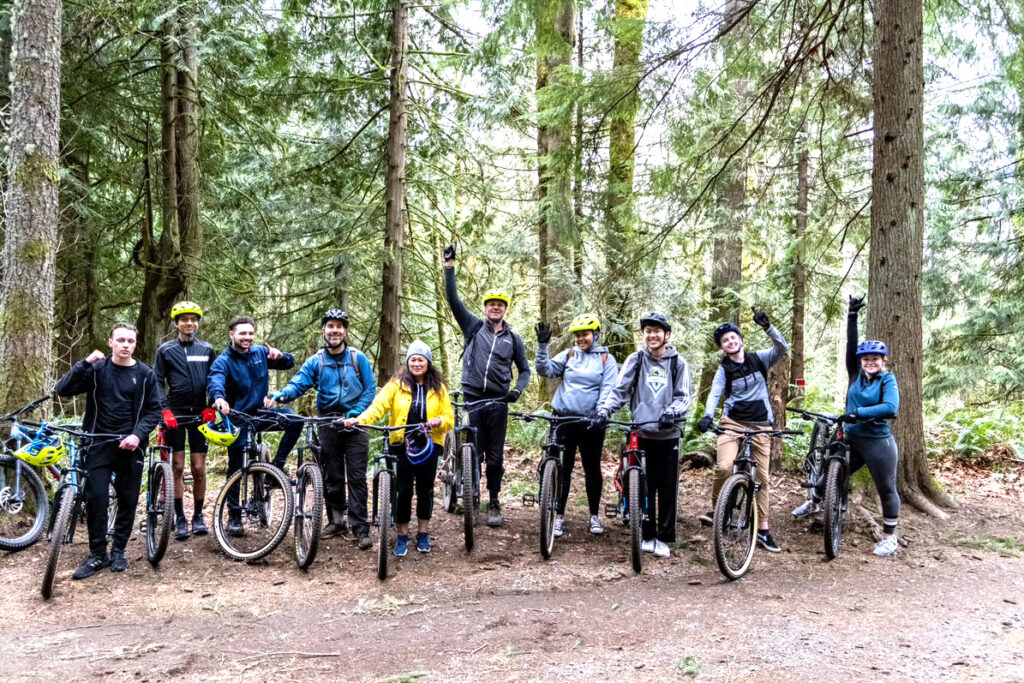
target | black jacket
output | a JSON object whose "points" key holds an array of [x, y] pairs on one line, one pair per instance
{"points": [[87, 379], [181, 371]]}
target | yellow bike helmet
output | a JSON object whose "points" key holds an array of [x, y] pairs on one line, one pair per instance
{"points": [[225, 436], [43, 451], [584, 323], [183, 307], [496, 295]]}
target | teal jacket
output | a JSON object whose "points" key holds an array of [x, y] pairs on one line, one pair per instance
{"points": [[876, 399]]}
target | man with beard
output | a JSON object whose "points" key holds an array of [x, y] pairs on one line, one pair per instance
{"points": [[345, 386]]}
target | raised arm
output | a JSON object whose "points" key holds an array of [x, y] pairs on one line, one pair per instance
{"points": [[852, 367], [463, 317]]}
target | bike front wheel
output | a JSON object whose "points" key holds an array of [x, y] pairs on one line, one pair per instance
{"points": [[636, 520], [264, 512], [833, 503], [159, 511], [469, 507], [65, 501], [546, 500], [384, 520], [447, 475], [735, 526], [309, 514], [23, 504]]}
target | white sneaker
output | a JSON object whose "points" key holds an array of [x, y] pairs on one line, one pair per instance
{"points": [[661, 549], [647, 546], [559, 521], [595, 525], [887, 547], [810, 507]]}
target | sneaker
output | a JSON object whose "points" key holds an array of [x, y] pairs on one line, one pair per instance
{"points": [[198, 525], [90, 566], [595, 525], [401, 545], [494, 514], [364, 541], [559, 523], [423, 542], [809, 507], [180, 529], [648, 546], [765, 540], [118, 562], [235, 526], [887, 547], [332, 529], [661, 549], [707, 519]]}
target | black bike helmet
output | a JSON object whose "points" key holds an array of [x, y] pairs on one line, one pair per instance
{"points": [[656, 319], [724, 329], [334, 314]]}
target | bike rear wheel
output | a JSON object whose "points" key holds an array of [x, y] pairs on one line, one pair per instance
{"points": [[309, 514], [447, 475], [546, 500], [159, 511], [384, 522], [265, 510], [833, 503], [469, 507], [636, 519], [735, 526], [65, 505], [23, 504]]}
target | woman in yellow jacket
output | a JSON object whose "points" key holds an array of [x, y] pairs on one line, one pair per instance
{"points": [[416, 395]]}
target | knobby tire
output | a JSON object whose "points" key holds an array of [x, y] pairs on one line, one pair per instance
{"points": [[735, 522], [36, 503]]}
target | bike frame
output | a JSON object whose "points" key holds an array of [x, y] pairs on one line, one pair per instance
{"points": [[632, 458]]}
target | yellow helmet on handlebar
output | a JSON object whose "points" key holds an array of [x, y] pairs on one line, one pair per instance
{"points": [[225, 436], [43, 452]]}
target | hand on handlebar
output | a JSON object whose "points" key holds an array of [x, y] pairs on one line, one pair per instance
{"points": [[221, 406], [434, 422], [705, 424], [599, 420], [129, 443], [667, 420], [848, 417]]}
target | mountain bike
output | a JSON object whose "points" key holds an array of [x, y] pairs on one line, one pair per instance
{"points": [[159, 485], [24, 504], [631, 483], [735, 518], [263, 501], [549, 476], [459, 470]]}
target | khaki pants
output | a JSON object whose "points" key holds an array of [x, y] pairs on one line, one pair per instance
{"points": [[728, 449]]}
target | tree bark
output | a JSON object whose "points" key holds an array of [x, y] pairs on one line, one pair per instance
{"points": [[389, 358], [186, 132], [897, 232], [796, 346], [577, 188], [31, 204]]}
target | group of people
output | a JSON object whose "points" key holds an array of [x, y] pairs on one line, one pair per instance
{"points": [[190, 383]]}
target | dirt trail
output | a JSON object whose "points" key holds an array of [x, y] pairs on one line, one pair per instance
{"points": [[950, 606]]}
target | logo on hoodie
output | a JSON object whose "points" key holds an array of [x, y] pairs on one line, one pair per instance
{"points": [[656, 380]]}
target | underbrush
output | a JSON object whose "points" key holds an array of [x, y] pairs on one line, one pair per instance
{"points": [[978, 437]]}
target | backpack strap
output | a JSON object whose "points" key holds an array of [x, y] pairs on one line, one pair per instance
{"points": [[759, 366]]}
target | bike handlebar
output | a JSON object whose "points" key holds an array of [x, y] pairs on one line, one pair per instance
{"points": [[25, 408], [554, 419], [813, 416], [419, 426], [774, 433]]}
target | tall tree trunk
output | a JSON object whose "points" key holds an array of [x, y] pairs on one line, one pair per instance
{"points": [[577, 188], [440, 306], [897, 232], [389, 358], [799, 269], [186, 132], [76, 266], [26, 290]]}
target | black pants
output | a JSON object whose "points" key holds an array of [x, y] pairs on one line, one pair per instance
{"points": [[421, 477], [343, 457], [881, 457], [662, 488], [236, 450], [491, 423], [590, 442], [125, 467]]}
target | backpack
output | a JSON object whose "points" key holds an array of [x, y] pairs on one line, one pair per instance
{"points": [[353, 356], [759, 366]]}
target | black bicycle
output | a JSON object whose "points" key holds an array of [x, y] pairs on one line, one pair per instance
{"points": [[735, 518], [159, 497], [264, 505], [549, 476], [459, 470], [309, 491]]}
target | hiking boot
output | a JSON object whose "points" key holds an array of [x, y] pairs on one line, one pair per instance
{"points": [[648, 546], [333, 529], [661, 549], [765, 540], [364, 541], [707, 519], [809, 507], [401, 545], [235, 526], [887, 547], [90, 566], [423, 542], [559, 523], [118, 562], [198, 525], [180, 529], [595, 525], [494, 514]]}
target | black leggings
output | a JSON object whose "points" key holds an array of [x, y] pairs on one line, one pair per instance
{"points": [[881, 457], [590, 442], [421, 477], [126, 469]]}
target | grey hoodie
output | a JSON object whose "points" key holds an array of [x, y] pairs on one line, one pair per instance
{"points": [[655, 392], [749, 401], [587, 378]]}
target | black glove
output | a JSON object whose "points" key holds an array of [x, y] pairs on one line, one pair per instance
{"points": [[510, 397], [857, 303], [705, 424], [761, 319], [667, 420], [543, 332], [848, 417], [449, 252], [599, 420]]}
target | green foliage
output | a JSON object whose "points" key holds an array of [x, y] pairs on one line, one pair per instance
{"points": [[973, 433]]}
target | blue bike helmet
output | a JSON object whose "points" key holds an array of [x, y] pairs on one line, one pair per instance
{"points": [[872, 347], [418, 444], [724, 329]]}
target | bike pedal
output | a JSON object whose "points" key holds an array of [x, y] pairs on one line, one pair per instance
{"points": [[611, 511], [806, 485], [529, 500]]}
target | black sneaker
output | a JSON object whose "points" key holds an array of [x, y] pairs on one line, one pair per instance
{"points": [[90, 566], [707, 519], [198, 525], [235, 527], [494, 514], [364, 541], [180, 529], [118, 562], [765, 540]]}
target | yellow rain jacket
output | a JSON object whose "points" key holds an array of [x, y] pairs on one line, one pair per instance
{"points": [[396, 398]]}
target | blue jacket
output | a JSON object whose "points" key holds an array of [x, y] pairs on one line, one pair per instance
{"points": [[242, 379], [344, 382], [871, 399]]}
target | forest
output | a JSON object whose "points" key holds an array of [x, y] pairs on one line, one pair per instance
{"points": [[276, 158]]}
